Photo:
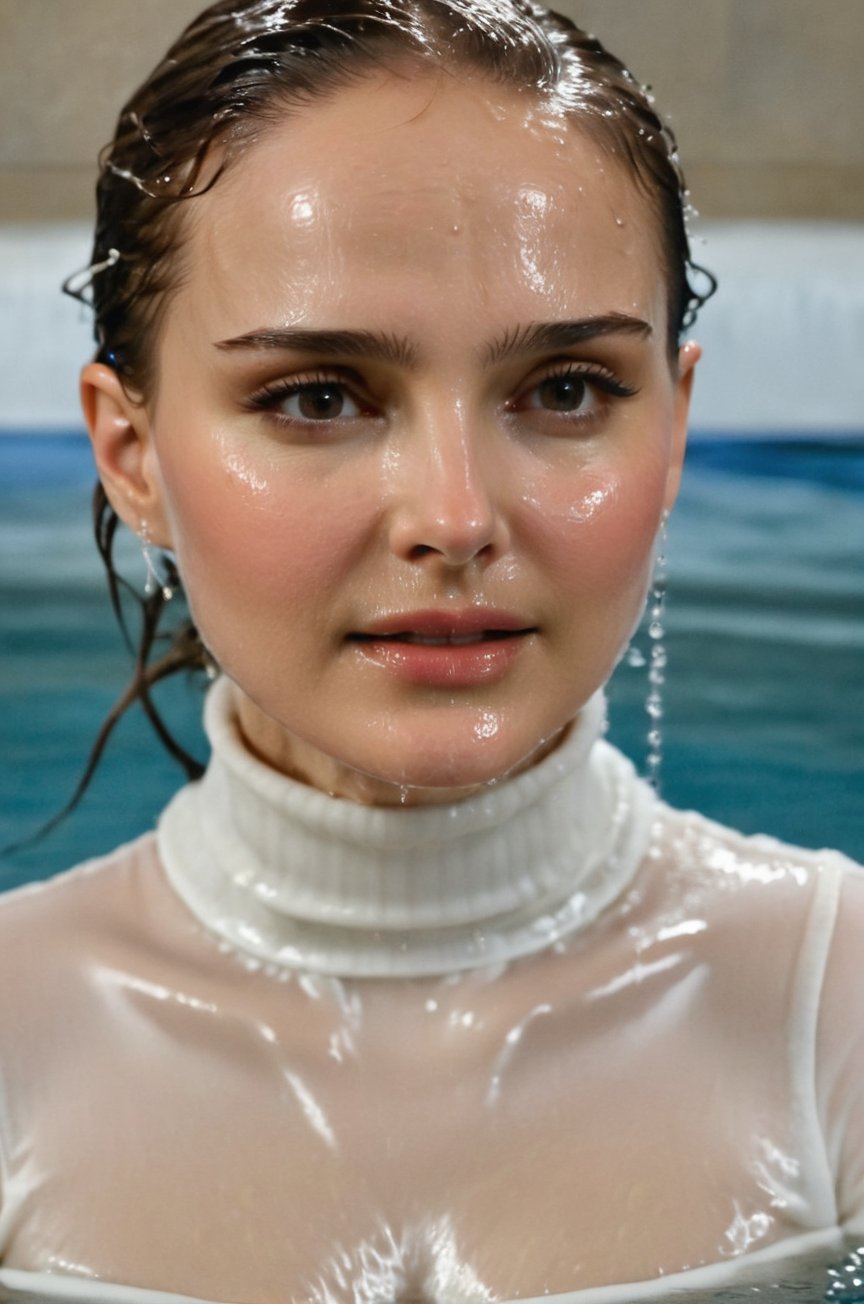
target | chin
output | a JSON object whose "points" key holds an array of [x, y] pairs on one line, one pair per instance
{"points": [[446, 766], [404, 757]]}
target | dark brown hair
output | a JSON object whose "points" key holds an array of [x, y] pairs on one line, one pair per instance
{"points": [[245, 64]]}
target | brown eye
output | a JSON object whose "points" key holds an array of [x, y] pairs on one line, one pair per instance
{"points": [[562, 393], [322, 402]]}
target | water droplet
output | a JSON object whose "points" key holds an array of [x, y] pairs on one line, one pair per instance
{"points": [[846, 1283], [657, 666]]}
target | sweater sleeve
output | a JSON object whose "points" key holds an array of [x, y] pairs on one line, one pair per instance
{"points": [[839, 1066]]}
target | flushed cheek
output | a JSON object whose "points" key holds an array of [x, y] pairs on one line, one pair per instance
{"points": [[251, 543], [598, 542]]}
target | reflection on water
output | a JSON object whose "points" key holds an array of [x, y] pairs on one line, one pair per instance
{"points": [[814, 1279], [806, 1280], [846, 1279]]}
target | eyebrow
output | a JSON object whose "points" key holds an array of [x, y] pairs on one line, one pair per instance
{"points": [[547, 337], [352, 344], [536, 337]]}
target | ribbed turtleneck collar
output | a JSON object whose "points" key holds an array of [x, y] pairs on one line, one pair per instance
{"points": [[300, 879]]}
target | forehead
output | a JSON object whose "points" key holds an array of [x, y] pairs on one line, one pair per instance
{"points": [[415, 194]]}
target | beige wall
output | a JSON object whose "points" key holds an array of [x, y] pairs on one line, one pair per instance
{"points": [[766, 96]]}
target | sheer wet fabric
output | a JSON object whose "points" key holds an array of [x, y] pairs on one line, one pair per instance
{"points": [[558, 1040]]}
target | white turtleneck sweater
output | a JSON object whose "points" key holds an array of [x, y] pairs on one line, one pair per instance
{"points": [[555, 1040], [300, 879]]}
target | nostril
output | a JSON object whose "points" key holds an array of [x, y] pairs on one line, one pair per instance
{"points": [[456, 554], [419, 533]]}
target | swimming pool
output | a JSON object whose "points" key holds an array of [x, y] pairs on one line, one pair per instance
{"points": [[765, 696]]}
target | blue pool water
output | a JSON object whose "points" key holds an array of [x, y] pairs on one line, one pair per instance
{"points": [[765, 697]]}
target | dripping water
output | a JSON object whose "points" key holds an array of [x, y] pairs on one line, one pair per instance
{"points": [[655, 663], [657, 660]]}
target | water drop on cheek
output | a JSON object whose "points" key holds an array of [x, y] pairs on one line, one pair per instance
{"points": [[250, 479], [487, 726], [590, 505], [582, 510]]}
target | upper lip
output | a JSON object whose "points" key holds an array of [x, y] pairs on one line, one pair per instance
{"points": [[447, 624]]}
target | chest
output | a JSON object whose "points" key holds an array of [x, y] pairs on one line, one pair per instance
{"points": [[447, 1140]]}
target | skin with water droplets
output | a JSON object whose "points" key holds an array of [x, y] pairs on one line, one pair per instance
{"points": [[447, 487]]}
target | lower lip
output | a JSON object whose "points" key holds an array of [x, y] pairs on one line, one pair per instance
{"points": [[446, 665]]}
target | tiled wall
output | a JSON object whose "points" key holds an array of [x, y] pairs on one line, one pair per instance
{"points": [[766, 96], [44, 335]]}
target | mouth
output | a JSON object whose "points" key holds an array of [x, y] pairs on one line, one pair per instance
{"points": [[437, 649], [445, 628], [417, 639]]}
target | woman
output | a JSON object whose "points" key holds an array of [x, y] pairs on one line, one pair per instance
{"points": [[420, 994]]}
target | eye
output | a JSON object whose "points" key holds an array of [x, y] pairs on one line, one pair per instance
{"points": [[566, 393], [321, 401], [578, 393], [312, 401]]}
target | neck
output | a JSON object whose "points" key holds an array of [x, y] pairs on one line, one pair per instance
{"points": [[302, 880]]}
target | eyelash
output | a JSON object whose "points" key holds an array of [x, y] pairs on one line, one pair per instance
{"points": [[269, 396], [591, 373]]}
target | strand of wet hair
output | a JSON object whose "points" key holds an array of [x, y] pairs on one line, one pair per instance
{"points": [[184, 653]]}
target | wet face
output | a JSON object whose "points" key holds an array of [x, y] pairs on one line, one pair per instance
{"points": [[414, 431]]}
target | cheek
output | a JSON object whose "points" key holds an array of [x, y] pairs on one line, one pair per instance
{"points": [[598, 540], [255, 541]]}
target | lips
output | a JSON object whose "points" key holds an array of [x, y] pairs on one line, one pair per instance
{"points": [[443, 640], [445, 649], [442, 628]]}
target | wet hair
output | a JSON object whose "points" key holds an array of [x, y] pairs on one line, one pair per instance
{"points": [[244, 65]]}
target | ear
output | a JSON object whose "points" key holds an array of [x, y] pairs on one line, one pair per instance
{"points": [[688, 355], [119, 428]]}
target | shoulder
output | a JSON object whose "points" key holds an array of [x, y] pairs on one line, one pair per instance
{"points": [[41, 918], [762, 897], [846, 964], [722, 859]]}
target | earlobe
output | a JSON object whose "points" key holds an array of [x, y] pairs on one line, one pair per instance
{"points": [[119, 430], [688, 355]]}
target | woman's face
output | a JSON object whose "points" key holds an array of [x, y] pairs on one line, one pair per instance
{"points": [[414, 430]]}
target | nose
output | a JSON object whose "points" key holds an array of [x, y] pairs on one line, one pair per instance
{"points": [[450, 501]]}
